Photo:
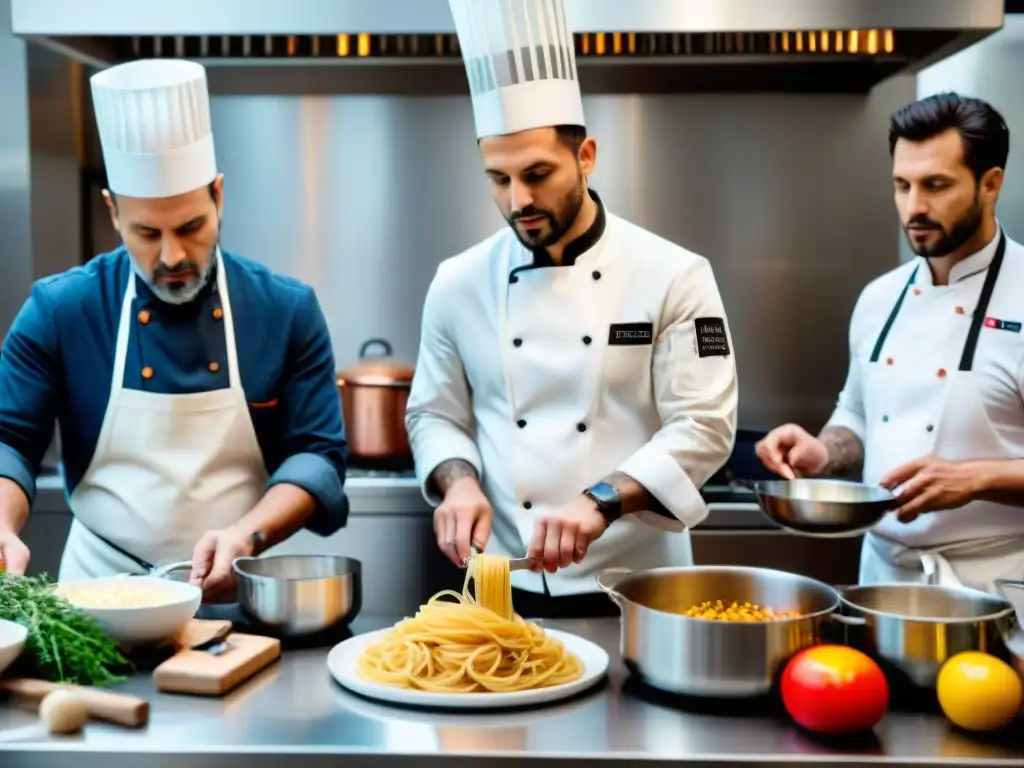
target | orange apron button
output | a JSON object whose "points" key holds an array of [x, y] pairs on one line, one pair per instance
{"points": [[888, 361], [917, 291], [144, 317], [959, 310], [214, 367], [942, 373], [147, 372], [218, 313]]}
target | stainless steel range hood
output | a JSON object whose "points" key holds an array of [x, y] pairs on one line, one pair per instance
{"points": [[817, 45]]}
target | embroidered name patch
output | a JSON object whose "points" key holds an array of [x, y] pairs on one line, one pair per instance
{"points": [[1012, 326], [709, 333], [630, 334]]}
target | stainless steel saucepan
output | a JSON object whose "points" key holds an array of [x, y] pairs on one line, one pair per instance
{"points": [[704, 657], [299, 594], [823, 508], [917, 627]]}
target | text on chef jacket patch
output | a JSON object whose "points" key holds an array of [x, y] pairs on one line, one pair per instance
{"points": [[631, 334], [710, 337]]}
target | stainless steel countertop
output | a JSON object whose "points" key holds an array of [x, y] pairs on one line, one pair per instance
{"points": [[294, 711]]}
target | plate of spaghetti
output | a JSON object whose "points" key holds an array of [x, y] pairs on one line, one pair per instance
{"points": [[469, 650]]}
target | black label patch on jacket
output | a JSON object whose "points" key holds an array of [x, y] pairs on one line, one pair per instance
{"points": [[710, 336], [630, 334]]}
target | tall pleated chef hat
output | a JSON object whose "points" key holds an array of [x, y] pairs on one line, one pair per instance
{"points": [[153, 117], [521, 64]]}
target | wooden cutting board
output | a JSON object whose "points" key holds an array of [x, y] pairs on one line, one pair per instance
{"points": [[200, 632], [208, 674]]}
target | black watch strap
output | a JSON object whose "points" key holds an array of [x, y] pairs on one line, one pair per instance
{"points": [[259, 542], [607, 499]]}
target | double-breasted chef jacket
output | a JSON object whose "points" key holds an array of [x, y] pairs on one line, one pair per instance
{"points": [[59, 357], [549, 378], [939, 369]]}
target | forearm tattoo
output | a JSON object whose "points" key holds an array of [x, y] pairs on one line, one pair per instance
{"points": [[448, 472], [845, 453]]}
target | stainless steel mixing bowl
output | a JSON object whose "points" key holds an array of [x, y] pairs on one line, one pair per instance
{"points": [[823, 508], [299, 594]]}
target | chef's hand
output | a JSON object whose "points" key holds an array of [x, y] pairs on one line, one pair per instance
{"points": [[792, 452], [14, 554], [930, 484], [212, 559], [564, 536], [463, 518]]}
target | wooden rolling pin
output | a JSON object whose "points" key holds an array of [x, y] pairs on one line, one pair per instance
{"points": [[118, 708]]}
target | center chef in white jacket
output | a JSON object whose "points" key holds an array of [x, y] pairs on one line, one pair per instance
{"points": [[933, 405], [576, 383]]}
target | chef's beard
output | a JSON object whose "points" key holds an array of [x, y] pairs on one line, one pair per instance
{"points": [[178, 293], [952, 240], [559, 221]]}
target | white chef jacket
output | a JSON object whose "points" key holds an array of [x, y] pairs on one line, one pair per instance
{"points": [[928, 335], [549, 378]]}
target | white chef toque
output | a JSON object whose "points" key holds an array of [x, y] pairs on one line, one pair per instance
{"points": [[521, 64], [153, 117]]}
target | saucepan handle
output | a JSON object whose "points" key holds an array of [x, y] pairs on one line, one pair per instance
{"points": [[608, 579], [1013, 593], [184, 565], [369, 344], [850, 621]]}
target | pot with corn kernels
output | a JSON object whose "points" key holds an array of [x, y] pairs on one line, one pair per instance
{"points": [[716, 631]]}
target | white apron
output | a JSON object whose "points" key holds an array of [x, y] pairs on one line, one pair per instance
{"points": [[167, 468], [902, 429]]}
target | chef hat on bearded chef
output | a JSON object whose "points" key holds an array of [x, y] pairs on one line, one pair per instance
{"points": [[154, 125], [521, 64]]}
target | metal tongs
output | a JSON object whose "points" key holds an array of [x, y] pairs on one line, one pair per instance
{"points": [[514, 563]]}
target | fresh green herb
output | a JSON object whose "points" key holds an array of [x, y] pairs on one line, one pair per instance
{"points": [[63, 645]]}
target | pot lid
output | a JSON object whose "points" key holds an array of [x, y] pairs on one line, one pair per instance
{"points": [[377, 369]]}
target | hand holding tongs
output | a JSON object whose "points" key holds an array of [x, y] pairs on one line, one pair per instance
{"points": [[514, 563]]}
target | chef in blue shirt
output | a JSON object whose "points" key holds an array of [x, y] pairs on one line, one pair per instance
{"points": [[194, 389]]}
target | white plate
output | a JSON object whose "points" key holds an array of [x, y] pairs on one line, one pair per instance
{"points": [[342, 659]]}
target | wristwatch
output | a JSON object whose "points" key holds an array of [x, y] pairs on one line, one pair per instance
{"points": [[607, 499]]}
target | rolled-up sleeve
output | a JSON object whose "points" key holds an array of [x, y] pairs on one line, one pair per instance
{"points": [[31, 383], [314, 431], [439, 415], [697, 399]]}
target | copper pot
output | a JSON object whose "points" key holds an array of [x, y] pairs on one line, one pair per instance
{"points": [[374, 393]]}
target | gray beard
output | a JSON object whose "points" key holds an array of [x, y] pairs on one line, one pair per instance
{"points": [[181, 295]]}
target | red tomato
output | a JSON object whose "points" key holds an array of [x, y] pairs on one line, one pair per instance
{"points": [[833, 689]]}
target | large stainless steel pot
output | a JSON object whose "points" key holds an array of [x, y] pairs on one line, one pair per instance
{"points": [[915, 628], [701, 657], [299, 594], [374, 394]]}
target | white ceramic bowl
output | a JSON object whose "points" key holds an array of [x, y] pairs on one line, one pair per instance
{"points": [[12, 640], [132, 625]]}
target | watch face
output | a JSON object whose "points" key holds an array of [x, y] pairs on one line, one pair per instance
{"points": [[605, 493]]}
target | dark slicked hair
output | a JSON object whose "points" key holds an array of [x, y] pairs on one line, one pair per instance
{"points": [[982, 129], [572, 136]]}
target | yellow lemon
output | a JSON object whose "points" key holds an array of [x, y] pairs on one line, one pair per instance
{"points": [[979, 692]]}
